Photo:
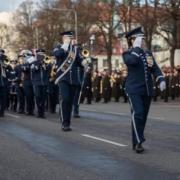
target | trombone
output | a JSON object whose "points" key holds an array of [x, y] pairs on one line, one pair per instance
{"points": [[85, 53], [47, 60]]}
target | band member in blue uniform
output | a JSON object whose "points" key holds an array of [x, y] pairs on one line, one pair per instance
{"points": [[53, 91], [40, 77], [25, 57], [77, 96], [68, 62], [13, 82], [3, 82], [141, 66], [20, 89]]}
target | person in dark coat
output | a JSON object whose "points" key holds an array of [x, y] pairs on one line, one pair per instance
{"points": [[87, 87], [106, 87], [26, 59], [123, 82], [53, 90], [96, 83], [166, 91], [13, 81], [40, 77], [172, 81], [3, 83], [116, 83], [67, 79], [141, 66]]}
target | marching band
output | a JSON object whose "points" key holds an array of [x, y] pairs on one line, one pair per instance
{"points": [[66, 78]]}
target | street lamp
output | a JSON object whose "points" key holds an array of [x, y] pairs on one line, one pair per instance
{"points": [[75, 18]]}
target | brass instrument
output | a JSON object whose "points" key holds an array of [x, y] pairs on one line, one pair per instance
{"points": [[47, 60], [53, 70], [53, 73], [6, 61], [85, 53]]}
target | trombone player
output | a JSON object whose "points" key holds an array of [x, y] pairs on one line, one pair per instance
{"points": [[40, 70]]}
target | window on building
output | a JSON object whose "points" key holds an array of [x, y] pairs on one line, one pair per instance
{"points": [[105, 64], [117, 63]]}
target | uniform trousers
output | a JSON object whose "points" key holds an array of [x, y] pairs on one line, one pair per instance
{"points": [[67, 92], [140, 105]]}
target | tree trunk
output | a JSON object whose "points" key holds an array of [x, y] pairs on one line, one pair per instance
{"points": [[109, 63], [178, 32], [172, 57]]}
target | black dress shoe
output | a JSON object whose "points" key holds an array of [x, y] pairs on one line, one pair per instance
{"points": [[139, 148], [66, 128], [29, 114], [20, 112], [42, 116], [134, 147], [1, 115], [76, 116]]}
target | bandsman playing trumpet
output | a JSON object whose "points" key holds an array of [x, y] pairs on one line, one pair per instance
{"points": [[25, 59], [52, 87], [13, 80], [68, 60], [40, 70]]}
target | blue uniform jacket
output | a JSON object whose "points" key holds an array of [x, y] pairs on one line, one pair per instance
{"points": [[26, 74], [75, 74], [4, 79], [139, 79], [40, 74]]}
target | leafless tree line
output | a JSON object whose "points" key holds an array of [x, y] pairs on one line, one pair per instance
{"points": [[40, 25]]}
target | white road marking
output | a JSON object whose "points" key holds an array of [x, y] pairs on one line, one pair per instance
{"points": [[12, 115], [103, 140], [120, 114], [106, 112]]}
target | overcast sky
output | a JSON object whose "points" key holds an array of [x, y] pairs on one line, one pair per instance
{"points": [[9, 5]]}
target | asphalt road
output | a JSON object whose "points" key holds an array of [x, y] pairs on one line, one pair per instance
{"points": [[98, 148]]}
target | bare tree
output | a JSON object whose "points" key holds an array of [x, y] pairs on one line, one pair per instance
{"points": [[3, 34], [169, 25], [147, 15], [24, 24], [107, 25]]}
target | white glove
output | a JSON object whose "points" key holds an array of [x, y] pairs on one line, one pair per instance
{"points": [[138, 42], [65, 46], [86, 62], [30, 60], [162, 85]]}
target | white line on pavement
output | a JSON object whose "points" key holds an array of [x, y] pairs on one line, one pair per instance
{"points": [[104, 140], [12, 115], [107, 112], [119, 114]]}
